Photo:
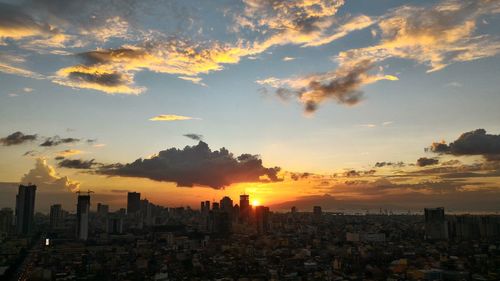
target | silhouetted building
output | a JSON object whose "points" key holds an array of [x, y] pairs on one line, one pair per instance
{"points": [[436, 227], [122, 211], [220, 223], [146, 212], [236, 213], [56, 215], [25, 208], [294, 210], [82, 217], [244, 207], [262, 219], [215, 206], [317, 214], [115, 224], [133, 202], [226, 205], [6, 220], [102, 210]]}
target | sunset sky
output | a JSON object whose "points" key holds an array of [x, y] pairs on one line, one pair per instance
{"points": [[341, 103]]}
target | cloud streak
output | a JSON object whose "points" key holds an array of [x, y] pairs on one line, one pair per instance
{"points": [[56, 140], [195, 137], [17, 138], [172, 117], [77, 164]]}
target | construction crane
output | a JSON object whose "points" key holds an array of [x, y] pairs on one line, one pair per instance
{"points": [[88, 192]]}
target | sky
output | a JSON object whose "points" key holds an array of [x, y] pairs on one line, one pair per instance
{"points": [[346, 104]]}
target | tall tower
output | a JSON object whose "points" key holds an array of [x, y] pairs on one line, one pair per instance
{"points": [[262, 219], [82, 216], [133, 202], [244, 207], [436, 227], [25, 209], [55, 215], [102, 210], [226, 204]]}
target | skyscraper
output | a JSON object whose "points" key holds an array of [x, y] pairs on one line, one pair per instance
{"points": [[226, 205], [244, 207], [25, 208], [115, 224], [317, 210], [102, 210], [317, 214], [55, 215], [82, 217], [436, 227], [133, 202], [262, 219], [215, 206], [146, 212]]}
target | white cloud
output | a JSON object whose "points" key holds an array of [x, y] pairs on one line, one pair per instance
{"points": [[46, 178]]}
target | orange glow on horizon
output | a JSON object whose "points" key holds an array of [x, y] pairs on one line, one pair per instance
{"points": [[255, 202]]}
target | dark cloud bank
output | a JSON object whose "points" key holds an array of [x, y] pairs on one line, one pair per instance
{"points": [[196, 165], [56, 140], [21, 138], [195, 137], [424, 161], [77, 163], [476, 142], [17, 138]]}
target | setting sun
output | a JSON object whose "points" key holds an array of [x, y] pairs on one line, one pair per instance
{"points": [[255, 202]]}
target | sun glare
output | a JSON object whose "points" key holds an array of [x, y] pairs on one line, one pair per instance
{"points": [[255, 203]]}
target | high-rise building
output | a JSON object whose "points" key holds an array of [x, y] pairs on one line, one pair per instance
{"points": [[102, 210], [56, 216], [6, 220], [262, 219], [317, 214], [215, 206], [226, 205], [146, 212], [82, 217], [25, 208], [205, 207], [244, 207], [317, 210], [219, 222], [205, 220], [115, 224], [436, 227], [133, 202], [294, 210]]}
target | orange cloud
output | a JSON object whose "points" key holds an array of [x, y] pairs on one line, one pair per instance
{"points": [[172, 117], [102, 78], [69, 152], [436, 36]]}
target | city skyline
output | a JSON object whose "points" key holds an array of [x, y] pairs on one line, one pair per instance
{"points": [[347, 105]]}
